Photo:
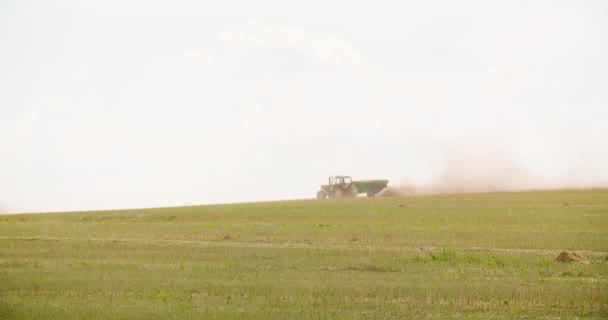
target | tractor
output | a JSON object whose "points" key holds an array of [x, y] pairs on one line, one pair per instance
{"points": [[345, 187]]}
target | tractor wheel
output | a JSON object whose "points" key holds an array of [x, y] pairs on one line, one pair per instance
{"points": [[321, 195], [337, 193], [351, 191]]}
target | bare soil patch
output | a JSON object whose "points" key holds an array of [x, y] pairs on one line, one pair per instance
{"points": [[569, 256]]}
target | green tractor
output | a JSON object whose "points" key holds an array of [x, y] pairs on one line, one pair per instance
{"points": [[345, 187]]}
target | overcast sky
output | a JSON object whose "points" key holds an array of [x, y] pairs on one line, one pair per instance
{"points": [[126, 104]]}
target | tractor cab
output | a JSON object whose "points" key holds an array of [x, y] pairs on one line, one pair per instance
{"points": [[340, 181]]}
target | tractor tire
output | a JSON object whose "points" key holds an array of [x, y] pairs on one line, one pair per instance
{"points": [[351, 191], [321, 195], [337, 193]]}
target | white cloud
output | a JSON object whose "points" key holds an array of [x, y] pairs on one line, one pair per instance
{"points": [[281, 46]]}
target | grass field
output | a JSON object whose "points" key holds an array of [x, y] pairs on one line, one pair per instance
{"points": [[470, 256]]}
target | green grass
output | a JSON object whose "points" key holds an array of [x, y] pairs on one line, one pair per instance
{"points": [[469, 256]]}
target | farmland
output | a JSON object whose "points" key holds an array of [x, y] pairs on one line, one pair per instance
{"points": [[472, 256]]}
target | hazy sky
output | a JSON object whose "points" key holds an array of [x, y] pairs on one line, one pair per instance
{"points": [[122, 104]]}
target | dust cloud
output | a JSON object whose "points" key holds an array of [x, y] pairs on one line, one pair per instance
{"points": [[482, 172]]}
